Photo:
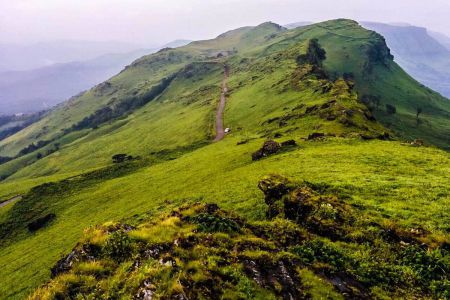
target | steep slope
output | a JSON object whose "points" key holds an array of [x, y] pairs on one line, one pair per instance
{"points": [[421, 55], [282, 86]]}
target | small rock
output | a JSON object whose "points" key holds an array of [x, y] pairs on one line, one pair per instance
{"points": [[288, 143], [316, 135], [417, 143]]}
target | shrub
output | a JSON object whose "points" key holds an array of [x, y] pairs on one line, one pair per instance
{"points": [[4, 159], [391, 109], [121, 157], [40, 222], [118, 246], [430, 265], [372, 102], [319, 251], [315, 54], [214, 223], [32, 147], [441, 289]]}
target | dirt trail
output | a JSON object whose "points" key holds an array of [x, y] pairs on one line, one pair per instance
{"points": [[220, 131], [10, 200]]}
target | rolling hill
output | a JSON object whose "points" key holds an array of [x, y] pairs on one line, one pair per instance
{"points": [[346, 197]]}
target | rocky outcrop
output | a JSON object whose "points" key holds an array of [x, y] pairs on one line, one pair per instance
{"points": [[268, 148]]}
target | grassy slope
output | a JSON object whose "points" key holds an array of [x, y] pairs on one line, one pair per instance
{"points": [[345, 42], [387, 182], [381, 176]]}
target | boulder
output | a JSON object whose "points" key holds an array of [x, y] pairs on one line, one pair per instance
{"points": [[288, 143], [417, 143], [269, 147], [316, 135]]}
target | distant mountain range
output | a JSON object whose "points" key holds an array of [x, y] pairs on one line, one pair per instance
{"points": [[41, 88], [43, 54], [424, 55], [38, 89]]}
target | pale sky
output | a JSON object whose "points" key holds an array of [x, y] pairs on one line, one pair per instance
{"points": [[153, 22]]}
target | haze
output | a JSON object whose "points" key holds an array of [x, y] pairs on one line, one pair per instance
{"points": [[148, 23]]}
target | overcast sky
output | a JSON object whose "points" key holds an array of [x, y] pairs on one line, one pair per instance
{"points": [[153, 22]]}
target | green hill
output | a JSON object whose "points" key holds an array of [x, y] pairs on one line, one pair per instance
{"points": [[331, 87]]}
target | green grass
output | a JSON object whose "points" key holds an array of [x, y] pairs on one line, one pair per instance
{"points": [[381, 176], [171, 134]]}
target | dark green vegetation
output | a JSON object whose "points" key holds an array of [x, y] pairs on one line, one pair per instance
{"points": [[326, 87]]}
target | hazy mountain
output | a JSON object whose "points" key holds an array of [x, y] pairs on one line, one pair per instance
{"points": [[15, 57], [419, 53], [441, 38], [176, 43], [42, 88], [34, 90]]}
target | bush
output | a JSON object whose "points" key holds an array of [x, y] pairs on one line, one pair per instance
{"points": [[40, 222], [214, 223], [319, 251], [4, 159], [441, 289], [118, 246], [429, 265], [372, 102], [32, 147], [121, 157], [391, 109], [315, 54]]}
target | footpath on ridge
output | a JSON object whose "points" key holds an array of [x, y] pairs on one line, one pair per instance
{"points": [[220, 131]]}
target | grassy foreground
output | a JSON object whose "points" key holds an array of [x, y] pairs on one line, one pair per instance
{"points": [[387, 184]]}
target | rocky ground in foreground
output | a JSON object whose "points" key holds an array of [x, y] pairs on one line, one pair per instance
{"points": [[311, 245]]}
